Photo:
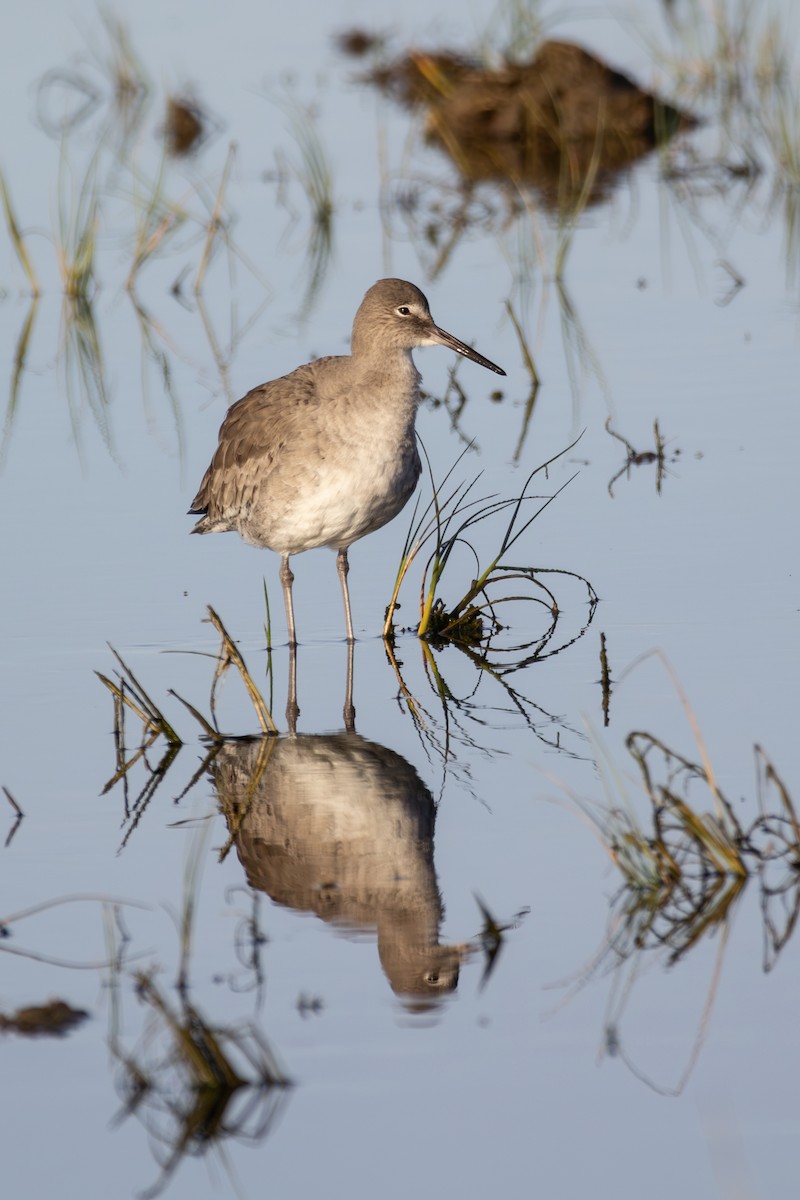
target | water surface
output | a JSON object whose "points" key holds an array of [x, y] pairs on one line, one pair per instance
{"points": [[342, 922]]}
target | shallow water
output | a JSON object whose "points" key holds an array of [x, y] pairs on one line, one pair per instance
{"points": [[570, 1060]]}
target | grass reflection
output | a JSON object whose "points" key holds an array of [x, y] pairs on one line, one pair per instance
{"points": [[83, 365], [20, 361], [685, 868], [18, 238], [463, 716], [582, 362], [68, 98], [193, 1085], [18, 817], [637, 458]]}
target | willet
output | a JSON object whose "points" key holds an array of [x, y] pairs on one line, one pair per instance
{"points": [[328, 453]]}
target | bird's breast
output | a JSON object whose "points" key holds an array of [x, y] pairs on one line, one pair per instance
{"points": [[356, 474]]}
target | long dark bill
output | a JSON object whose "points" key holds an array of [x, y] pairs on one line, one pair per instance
{"points": [[446, 339]]}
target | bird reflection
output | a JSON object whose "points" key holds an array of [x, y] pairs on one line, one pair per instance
{"points": [[342, 827]]}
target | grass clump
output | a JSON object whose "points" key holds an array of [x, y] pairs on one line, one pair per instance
{"points": [[472, 619], [129, 693]]}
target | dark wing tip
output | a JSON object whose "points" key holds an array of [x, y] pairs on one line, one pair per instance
{"points": [[202, 513]]}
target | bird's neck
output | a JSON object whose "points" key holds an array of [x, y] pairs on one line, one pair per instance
{"points": [[389, 373]]}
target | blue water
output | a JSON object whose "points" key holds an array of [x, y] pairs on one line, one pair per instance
{"points": [[500, 1085]]}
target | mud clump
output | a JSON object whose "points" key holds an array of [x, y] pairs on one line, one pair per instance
{"points": [[560, 119]]}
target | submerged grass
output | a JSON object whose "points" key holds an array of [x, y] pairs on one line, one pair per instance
{"points": [[18, 238], [81, 359], [157, 352], [12, 801], [20, 361], [194, 860], [9, 919], [157, 221], [15, 824], [574, 196], [530, 366], [721, 47], [740, 57], [314, 173], [606, 682], [56, 1018], [680, 831], [120, 62], [157, 216], [517, 27], [215, 222], [780, 119], [126, 79], [782, 128], [78, 221]]}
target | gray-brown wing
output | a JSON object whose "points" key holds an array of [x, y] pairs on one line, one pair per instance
{"points": [[255, 431]]}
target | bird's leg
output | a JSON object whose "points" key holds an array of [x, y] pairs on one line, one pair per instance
{"points": [[343, 566], [349, 710], [287, 579], [292, 709]]}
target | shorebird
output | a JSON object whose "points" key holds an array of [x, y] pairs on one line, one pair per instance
{"points": [[327, 454]]}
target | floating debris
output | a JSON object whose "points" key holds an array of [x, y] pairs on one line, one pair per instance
{"points": [[358, 43], [185, 127], [638, 458], [53, 1019]]}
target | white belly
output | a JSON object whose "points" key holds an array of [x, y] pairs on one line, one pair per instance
{"points": [[336, 502]]}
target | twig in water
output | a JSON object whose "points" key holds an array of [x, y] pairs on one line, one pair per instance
{"points": [[605, 678], [13, 802]]}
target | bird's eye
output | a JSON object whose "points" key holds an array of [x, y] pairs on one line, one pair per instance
{"points": [[404, 310]]}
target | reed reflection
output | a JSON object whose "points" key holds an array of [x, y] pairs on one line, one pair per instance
{"points": [[685, 870]]}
